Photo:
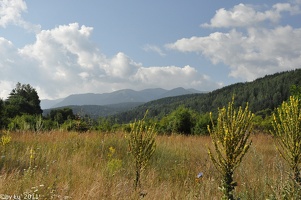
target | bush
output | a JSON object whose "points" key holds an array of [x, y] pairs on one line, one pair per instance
{"points": [[182, 121]]}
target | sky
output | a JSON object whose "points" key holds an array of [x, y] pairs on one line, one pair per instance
{"points": [[64, 47]]}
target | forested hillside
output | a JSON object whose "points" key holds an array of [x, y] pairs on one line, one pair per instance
{"points": [[263, 94]]}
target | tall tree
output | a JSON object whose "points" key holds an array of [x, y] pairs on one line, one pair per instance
{"points": [[23, 99]]}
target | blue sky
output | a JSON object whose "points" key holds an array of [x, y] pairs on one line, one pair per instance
{"points": [[71, 46]]}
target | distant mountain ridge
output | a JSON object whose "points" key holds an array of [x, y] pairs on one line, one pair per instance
{"points": [[116, 97], [263, 96]]}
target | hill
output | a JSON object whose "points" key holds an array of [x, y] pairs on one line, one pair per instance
{"points": [[263, 95], [117, 97]]}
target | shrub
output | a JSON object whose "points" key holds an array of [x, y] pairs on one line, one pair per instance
{"points": [[182, 121]]}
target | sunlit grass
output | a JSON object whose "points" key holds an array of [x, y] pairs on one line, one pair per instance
{"points": [[67, 164]]}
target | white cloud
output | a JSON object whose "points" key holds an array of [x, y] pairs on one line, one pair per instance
{"points": [[287, 7], [171, 77], [11, 13], [254, 50], [251, 55], [242, 15], [6, 87], [121, 66]]}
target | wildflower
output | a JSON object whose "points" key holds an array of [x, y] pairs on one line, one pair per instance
{"points": [[200, 175], [111, 152]]}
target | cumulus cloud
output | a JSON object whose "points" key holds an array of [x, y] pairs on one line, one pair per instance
{"points": [[242, 15], [253, 51], [11, 13], [121, 66], [172, 76]]}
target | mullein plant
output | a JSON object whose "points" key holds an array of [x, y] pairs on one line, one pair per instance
{"points": [[142, 145], [230, 137], [5, 139], [287, 135]]}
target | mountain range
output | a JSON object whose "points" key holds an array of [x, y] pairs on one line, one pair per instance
{"points": [[116, 97], [263, 96]]}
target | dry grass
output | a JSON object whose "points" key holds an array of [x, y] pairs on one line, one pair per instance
{"points": [[78, 166]]}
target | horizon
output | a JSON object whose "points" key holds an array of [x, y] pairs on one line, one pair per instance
{"points": [[176, 87]]}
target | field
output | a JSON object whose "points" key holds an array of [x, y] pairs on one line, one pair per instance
{"points": [[69, 165]]}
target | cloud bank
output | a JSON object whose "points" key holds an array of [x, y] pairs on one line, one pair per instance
{"points": [[249, 48]]}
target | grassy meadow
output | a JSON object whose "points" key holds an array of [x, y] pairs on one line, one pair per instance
{"points": [[70, 165]]}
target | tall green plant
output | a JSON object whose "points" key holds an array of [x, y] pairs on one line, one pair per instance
{"points": [[230, 139], [287, 132], [142, 145]]}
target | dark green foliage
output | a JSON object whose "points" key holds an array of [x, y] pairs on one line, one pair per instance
{"points": [[182, 120], [78, 125], [202, 122], [23, 100], [105, 125], [61, 115], [3, 119], [49, 124], [81, 126]]}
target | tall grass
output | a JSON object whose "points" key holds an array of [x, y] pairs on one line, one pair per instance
{"points": [[66, 165]]}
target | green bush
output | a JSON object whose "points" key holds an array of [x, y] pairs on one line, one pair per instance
{"points": [[182, 121]]}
